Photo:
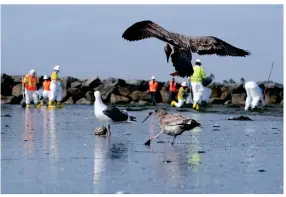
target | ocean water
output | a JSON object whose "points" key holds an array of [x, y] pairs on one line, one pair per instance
{"points": [[55, 151]]}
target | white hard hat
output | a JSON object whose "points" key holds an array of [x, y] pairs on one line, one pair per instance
{"points": [[153, 77], [33, 72], [198, 60], [57, 67], [184, 84], [46, 77]]}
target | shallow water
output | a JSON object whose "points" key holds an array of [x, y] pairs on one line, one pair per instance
{"points": [[56, 151]]}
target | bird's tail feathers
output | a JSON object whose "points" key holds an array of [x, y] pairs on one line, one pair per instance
{"points": [[190, 124], [132, 118]]}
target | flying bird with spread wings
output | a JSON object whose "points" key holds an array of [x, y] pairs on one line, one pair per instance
{"points": [[180, 47]]}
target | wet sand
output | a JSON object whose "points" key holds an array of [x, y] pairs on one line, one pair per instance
{"points": [[56, 151]]}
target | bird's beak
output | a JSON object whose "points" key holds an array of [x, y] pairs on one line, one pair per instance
{"points": [[150, 114]]}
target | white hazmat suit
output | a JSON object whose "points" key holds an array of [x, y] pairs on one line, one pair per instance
{"points": [[254, 95]]}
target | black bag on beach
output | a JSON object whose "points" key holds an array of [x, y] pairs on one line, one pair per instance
{"points": [[206, 81]]}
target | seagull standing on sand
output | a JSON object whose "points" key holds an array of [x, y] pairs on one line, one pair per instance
{"points": [[109, 114], [172, 124], [181, 47]]}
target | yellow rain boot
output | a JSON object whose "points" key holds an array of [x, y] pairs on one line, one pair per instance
{"points": [[173, 103], [28, 106], [59, 105], [194, 105], [51, 104], [38, 105], [42, 102], [197, 107]]}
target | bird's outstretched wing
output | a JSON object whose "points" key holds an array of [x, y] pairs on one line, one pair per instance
{"points": [[209, 45], [115, 114], [182, 61], [148, 29]]}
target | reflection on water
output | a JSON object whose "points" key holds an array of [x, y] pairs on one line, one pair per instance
{"points": [[99, 152], [250, 151], [54, 152], [98, 168], [117, 151], [29, 132], [173, 173], [194, 156], [53, 144], [45, 128]]}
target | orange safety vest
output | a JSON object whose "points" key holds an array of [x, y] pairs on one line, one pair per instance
{"points": [[153, 86], [30, 82], [46, 85], [172, 87]]}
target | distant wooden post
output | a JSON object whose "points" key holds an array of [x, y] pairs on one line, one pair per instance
{"points": [[268, 78]]}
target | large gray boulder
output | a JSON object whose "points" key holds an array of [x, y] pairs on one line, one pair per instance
{"points": [[67, 81], [89, 95], [7, 83], [138, 95], [114, 82], [17, 90], [106, 90], [91, 83], [76, 84], [83, 101], [164, 94], [69, 101], [139, 85], [75, 93], [17, 78], [6, 99], [238, 98], [124, 91], [118, 99]]}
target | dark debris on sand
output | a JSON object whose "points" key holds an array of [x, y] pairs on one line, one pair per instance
{"points": [[242, 118]]}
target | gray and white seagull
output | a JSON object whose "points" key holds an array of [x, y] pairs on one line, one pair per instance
{"points": [[180, 47], [110, 114]]}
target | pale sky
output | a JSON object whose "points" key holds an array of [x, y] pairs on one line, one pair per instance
{"points": [[85, 40]]}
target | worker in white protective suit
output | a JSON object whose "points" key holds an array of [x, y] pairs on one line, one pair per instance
{"points": [[196, 82], [182, 95], [254, 95], [46, 89], [56, 89], [30, 83]]}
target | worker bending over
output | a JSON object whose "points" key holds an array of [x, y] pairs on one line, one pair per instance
{"points": [[196, 82], [254, 95], [55, 89], [182, 95], [30, 82]]}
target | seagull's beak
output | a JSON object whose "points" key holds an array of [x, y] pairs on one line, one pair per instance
{"points": [[150, 114]]}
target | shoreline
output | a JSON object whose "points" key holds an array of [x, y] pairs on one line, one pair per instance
{"points": [[133, 92]]}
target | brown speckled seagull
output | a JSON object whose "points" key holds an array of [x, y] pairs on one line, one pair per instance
{"points": [[172, 124], [181, 47]]}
